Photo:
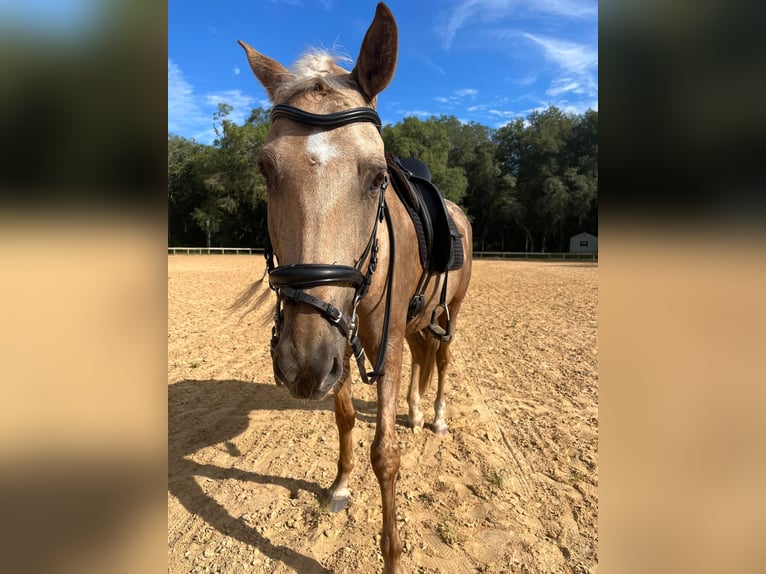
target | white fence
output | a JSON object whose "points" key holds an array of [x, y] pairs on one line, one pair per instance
{"points": [[535, 255], [516, 255], [215, 250]]}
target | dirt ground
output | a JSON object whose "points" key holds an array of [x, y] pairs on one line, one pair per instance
{"points": [[513, 488]]}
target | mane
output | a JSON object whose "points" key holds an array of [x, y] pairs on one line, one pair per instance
{"points": [[317, 66]]}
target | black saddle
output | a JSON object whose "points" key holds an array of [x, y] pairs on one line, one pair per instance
{"points": [[438, 237]]}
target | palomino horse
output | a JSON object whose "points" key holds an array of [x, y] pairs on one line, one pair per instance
{"points": [[331, 225]]}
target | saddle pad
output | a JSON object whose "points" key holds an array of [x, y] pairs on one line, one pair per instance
{"points": [[438, 238]]}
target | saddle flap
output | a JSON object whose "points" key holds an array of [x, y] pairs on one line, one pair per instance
{"points": [[438, 237]]}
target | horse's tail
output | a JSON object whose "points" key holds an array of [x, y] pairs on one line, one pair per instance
{"points": [[253, 298]]}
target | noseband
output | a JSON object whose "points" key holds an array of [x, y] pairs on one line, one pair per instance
{"points": [[289, 281]]}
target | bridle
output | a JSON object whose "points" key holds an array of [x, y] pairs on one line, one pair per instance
{"points": [[290, 281]]}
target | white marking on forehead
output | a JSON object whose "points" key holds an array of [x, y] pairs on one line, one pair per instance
{"points": [[319, 148]]}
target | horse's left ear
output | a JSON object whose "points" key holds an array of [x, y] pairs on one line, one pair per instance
{"points": [[377, 57]]}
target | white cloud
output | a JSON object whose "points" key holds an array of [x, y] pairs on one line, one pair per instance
{"points": [[455, 20], [296, 3], [465, 12], [417, 113], [578, 107], [503, 113], [237, 71], [567, 8], [235, 98], [536, 109], [191, 114], [457, 97], [579, 64], [527, 80], [577, 58], [564, 85], [436, 66], [467, 92], [183, 106]]}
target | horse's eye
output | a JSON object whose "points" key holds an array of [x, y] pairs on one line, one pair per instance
{"points": [[377, 181], [264, 170]]}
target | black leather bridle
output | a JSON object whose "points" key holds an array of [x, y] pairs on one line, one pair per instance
{"points": [[289, 281]]}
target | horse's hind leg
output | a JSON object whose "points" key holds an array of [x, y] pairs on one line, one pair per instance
{"points": [[440, 405], [443, 356], [345, 417], [422, 367]]}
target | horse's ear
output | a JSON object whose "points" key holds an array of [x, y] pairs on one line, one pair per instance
{"points": [[269, 72], [377, 57]]}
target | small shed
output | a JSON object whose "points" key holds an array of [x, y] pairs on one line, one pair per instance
{"points": [[583, 243]]}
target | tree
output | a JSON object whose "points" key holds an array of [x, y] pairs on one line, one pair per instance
{"points": [[235, 207], [553, 157], [528, 185], [428, 141], [584, 180], [186, 189]]}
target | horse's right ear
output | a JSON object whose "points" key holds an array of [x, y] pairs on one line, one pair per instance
{"points": [[269, 72], [377, 57]]}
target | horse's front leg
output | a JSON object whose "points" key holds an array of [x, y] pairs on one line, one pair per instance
{"points": [[338, 494], [385, 459]]}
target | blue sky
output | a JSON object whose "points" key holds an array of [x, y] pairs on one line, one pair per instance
{"points": [[488, 61]]}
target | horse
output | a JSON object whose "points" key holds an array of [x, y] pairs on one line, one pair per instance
{"points": [[332, 232]]}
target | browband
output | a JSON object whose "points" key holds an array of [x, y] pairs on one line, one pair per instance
{"points": [[328, 121], [306, 275]]}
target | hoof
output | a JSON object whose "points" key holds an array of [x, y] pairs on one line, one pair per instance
{"points": [[440, 429], [416, 423], [337, 499], [416, 428], [337, 504]]}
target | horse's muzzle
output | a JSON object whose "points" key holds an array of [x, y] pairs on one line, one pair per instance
{"points": [[307, 376]]}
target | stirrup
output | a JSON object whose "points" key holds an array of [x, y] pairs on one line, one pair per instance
{"points": [[444, 335]]}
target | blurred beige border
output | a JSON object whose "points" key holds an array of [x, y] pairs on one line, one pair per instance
{"points": [[83, 415], [682, 329]]}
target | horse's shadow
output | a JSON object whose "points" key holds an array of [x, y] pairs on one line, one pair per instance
{"points": [[202, 413]]}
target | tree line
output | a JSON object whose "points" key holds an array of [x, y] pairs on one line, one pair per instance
{"points": [[527, 186]]}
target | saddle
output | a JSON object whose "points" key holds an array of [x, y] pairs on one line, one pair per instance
{"points": [[439, 241], [438, 238]]}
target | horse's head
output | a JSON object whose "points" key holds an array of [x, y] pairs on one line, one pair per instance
{"points": [[323, 194]]}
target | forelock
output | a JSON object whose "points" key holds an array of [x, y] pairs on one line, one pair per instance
{"points": [[316, 66]]}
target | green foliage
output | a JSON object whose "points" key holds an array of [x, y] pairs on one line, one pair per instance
{"points": [[428, 140], [186, 190], [496, 478], [448, 533], [215, 195], [526, 186], [554, 159]]}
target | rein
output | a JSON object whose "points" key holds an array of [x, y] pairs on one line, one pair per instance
{"points": [[289, 281]]}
